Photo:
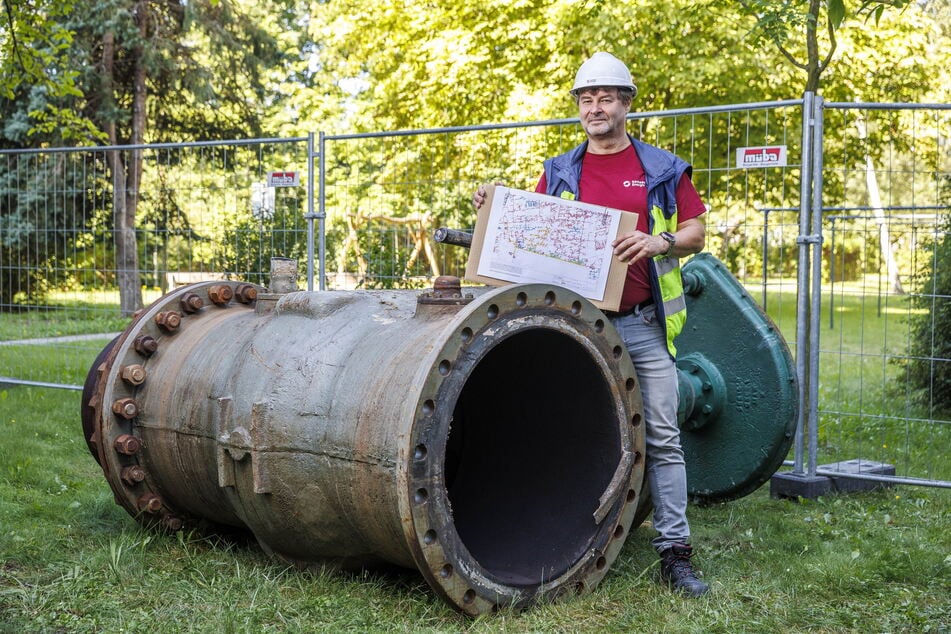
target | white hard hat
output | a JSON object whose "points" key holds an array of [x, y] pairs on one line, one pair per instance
{"points": [[603, 69]]}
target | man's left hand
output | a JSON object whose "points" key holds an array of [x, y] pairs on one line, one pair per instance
{"points": [[633, 246]]}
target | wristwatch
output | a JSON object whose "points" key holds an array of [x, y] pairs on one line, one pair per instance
{"points": [[671, 241]]}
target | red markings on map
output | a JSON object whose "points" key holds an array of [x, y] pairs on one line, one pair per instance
{"points": [[552, 228]]}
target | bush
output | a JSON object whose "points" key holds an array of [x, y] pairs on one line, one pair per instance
{"points": [[929, 365]]}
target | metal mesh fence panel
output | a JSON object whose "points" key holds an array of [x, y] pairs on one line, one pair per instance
{"points": [[887, 198], [202, 212]]}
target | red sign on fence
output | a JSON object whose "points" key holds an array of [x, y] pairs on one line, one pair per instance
{"points": [[763, 156], [283, 179]]}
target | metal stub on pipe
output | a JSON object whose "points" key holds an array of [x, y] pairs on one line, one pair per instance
{"points": [[283, 276], [742, 396], [445, 235], [446, 291]]}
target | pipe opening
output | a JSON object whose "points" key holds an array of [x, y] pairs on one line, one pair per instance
{"points": [[533, 444]]}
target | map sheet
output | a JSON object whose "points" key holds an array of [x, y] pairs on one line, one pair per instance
{"points": [[527, 237]]}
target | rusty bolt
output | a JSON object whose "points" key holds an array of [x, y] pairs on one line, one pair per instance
{"points": [[220, 294], [145, 345], [168, 320], [191, 303], [132, 474], [245, 293], [149, 503], [172, 523], [128, 444], [137, 313], [125, 408], [133, 374]]}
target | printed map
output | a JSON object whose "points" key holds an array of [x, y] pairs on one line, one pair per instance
{"points": [[536, 238]]}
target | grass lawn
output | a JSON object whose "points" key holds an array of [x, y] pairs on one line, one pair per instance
{"points": [[73, 561]]}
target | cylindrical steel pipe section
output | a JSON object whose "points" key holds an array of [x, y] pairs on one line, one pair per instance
{"points": [[493, 442]]}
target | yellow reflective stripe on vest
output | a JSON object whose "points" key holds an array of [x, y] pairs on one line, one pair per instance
{"points": [[670, 281]]}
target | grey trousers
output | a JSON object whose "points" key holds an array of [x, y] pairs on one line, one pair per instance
{"points": [[657, 375]]}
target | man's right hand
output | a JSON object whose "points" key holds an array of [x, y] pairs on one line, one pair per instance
{"points": [[478, 198]]}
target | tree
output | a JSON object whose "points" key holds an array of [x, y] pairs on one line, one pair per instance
{"points": [[783, 23], [34, 58], [148, 71], [795, 29], [408, 65]]}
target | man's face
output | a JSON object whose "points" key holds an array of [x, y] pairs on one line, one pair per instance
{"points": [[602, 112]]}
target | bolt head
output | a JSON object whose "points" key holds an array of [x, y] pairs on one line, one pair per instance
{"points": [[128, 444], [145, 345], [133, 374], [168, 320], [125, 408], [149, 503], [172, 523], [220, 294], [191, 303], [132, 474], [246, 293]]}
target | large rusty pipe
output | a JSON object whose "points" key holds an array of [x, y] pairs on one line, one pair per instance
{"points": [[493, 442]]}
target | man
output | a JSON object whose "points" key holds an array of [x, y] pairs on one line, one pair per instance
{"points": [[615, 170]]}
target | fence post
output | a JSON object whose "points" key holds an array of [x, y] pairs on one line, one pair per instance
{"points": [[310, 211], [802, 286], [816, 301], [322, 214]]}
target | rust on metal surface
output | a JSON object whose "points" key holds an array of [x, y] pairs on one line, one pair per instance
{"points": [[149, 503], [191, 302], [133, 374], [446, 291], [146, 345], [125, 408], [220, 294], [132, 474], [128, 445], [246, 293], [168, 320]]}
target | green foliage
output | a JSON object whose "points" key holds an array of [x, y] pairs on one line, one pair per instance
{"points": [[805, 32], [35, 63], [408, 65], [928, 365]]}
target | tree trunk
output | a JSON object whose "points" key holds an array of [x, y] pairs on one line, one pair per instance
{"points": [[875, 202], [127, 176], [884, 238]]}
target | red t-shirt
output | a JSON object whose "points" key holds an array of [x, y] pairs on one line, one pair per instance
{"points": [[617, 181]]}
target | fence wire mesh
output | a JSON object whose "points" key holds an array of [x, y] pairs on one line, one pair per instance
{"points": [[205, 211]]}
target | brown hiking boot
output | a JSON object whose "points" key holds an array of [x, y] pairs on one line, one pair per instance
{"points": [[677, 571]]}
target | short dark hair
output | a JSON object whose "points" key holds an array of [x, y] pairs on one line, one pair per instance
{"points": [[624, 92]]}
